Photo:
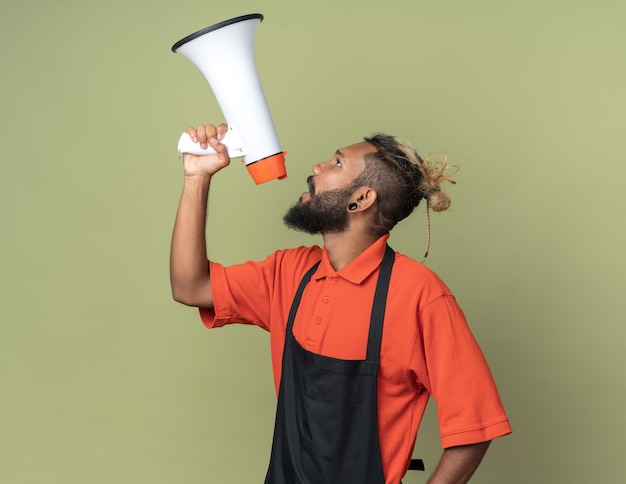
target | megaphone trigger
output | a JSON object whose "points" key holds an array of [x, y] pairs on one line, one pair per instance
{"points": [[231, 140]]}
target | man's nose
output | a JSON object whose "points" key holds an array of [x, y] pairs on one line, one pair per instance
{"points": [[319, 167]]}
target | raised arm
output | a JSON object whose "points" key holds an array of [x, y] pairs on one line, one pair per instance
{"points": [[189, 270]]}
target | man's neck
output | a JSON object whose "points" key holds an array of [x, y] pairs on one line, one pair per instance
{"points": [[344, 247]]}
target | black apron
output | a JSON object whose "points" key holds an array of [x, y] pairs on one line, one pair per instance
{"points": [[326, 428]]}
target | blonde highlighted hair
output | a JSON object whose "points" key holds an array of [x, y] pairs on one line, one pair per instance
{"points": [[402, 179]]}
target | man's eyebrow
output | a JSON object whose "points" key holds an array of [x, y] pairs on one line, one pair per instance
{"points": [[339, 153]]}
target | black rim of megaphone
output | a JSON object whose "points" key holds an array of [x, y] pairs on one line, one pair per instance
{"points": [[220, 25]]}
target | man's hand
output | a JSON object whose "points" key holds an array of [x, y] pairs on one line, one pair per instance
{"points": [[206, 165]]}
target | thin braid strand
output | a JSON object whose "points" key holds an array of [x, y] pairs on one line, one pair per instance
{"points": [[428, 234]]}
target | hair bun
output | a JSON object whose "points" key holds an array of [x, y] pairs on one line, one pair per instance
{"points": [[435, 172], [438, 200]]}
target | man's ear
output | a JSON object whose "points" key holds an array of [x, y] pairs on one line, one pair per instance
{"points": [[365, 197]]}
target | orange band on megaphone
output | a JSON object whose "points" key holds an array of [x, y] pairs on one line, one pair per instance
{"points": [[268, 168]]}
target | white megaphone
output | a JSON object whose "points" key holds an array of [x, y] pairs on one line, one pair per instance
{"points": [[224, 53]]}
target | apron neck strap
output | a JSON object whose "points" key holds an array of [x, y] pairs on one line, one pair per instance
{"points": [[380, 303], [378, 308], [296, 299]]}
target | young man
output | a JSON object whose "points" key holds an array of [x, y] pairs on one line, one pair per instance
{"points": [[360, 336]]}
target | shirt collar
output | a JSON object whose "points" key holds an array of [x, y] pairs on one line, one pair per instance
{"points": [[360, 268]]}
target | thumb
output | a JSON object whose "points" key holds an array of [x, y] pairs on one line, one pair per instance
{"points": [[221, 149]]}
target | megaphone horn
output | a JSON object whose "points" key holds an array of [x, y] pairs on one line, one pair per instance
{"points": [[224, 53]]}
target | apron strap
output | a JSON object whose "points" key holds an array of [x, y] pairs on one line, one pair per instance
{"points": [[378, 310], [416, 465], [380, 303], [296, 300]]}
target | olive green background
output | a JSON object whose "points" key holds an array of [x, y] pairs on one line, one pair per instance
{"points": [[104, 379]]}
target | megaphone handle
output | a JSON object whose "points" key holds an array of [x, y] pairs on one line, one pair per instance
{"points": [[231, 140]]}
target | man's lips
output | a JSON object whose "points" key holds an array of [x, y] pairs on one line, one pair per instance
{"points": [[308, 195], [311, 185]]}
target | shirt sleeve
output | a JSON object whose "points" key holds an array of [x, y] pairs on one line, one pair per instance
{"points": [[254, 292], [469, 408], [240, 294]]}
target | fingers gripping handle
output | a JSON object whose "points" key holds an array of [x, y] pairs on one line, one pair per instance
{"points": [[231, 140]]}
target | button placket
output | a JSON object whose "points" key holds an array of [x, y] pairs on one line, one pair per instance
{"points": [[323, 310]]}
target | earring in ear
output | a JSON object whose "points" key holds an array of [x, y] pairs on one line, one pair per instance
{"points": [[352, 206]]}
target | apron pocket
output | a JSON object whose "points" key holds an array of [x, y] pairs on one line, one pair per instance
{"points": [[334, 396]]}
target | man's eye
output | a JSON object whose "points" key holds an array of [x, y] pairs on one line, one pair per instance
{"points": [[337, 163]]}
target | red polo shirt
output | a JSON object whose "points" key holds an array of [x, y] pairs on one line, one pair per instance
{"points": [[427, 346]]}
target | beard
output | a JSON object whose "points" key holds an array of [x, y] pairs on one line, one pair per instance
{"points": [[322, 213]]}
